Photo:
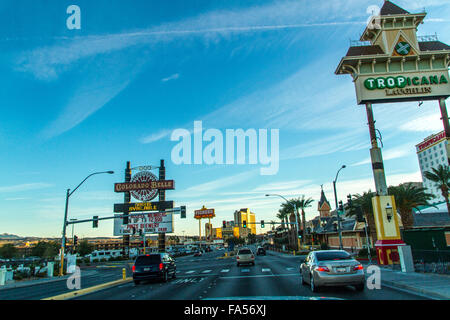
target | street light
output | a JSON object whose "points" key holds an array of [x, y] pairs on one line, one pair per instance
{"points": [[63, 240], [295, 214], [337, 209]]}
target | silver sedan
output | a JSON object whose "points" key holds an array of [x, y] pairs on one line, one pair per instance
{"points": [[332, 268]]}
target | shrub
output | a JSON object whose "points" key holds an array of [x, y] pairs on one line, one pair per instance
{"points": [[363, 252]]}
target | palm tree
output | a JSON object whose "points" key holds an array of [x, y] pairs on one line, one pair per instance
{"points": [[441, 178], [408, 197], [301, 203], [365, 202], [282, 215]]}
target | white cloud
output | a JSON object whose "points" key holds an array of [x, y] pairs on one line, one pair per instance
{"points": [[392, 153], [220, 183], [172, 77], [25, 187], [429, 123], [47, 63]]}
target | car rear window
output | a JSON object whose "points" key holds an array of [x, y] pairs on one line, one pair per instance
{"points": [[322, 256], [245, 251], [146, 260]]}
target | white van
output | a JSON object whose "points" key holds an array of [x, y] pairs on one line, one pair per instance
{"points": [[98, 255]]}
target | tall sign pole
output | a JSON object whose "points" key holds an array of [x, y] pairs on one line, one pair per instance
{"points": [[444, 118], [127, 199], [375, 155], [162, 197]]}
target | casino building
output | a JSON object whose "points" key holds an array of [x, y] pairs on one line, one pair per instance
{"points": [[431, 153]]}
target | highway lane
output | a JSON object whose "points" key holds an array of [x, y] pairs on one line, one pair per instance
{"points": [[209, 277]]}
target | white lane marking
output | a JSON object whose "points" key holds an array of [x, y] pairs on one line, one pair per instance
{"points": [[265, 270], [289, 269], [245, 270], [206, 271], [192, 271], [225, 270]]}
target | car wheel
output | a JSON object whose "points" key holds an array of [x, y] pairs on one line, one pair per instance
{"points": [[238, 264], [360, 287], [303, 279], [136, 282], [165, 277], [313, 286], [174, 274]]}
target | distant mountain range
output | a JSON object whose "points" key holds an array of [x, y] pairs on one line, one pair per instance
{"points": [[6, 236]]}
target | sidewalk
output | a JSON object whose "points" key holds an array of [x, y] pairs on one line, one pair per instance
{"points": [[435, 286]]}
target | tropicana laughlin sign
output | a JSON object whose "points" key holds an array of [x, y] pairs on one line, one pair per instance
{"points": [[403, 87]]}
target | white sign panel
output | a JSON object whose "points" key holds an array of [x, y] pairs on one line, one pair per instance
{"points": [[407, 86], [149, 223]]}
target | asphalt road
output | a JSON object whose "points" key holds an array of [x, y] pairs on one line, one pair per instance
{"points": [[207, 277]]}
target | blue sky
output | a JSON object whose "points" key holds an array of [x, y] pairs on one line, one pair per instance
{"points": [[78, 101]]}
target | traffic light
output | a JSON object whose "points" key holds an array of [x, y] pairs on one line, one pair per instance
{"points": [[75, 240], [262, 223], [95, 222], [140, 232], [134, 230], [349, 201], [244, 224], [300, 236], [224, 224], [341, 207], [142, 244], [183, 212]]}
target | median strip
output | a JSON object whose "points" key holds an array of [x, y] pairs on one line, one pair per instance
{"points": [[78, 293]]}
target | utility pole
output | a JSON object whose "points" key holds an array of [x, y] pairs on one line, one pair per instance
{"points": [[337, 209]]}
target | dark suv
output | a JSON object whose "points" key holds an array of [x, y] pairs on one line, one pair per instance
{"points": [[154, 266], [260, 251]]}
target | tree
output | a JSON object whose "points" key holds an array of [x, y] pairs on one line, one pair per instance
{"points": [[303, 204], [408, 197], [282, 215], [441, 178], [365, 202], [300, 203], [44, 249], [8, 251], [85, 248]]}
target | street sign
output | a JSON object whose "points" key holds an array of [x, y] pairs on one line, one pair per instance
{"points": [[143, 206], [144, 186], [133, 186], [148, 223]]}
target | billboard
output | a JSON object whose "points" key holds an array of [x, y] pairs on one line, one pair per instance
{"points": [[407, 86], [204, 213], [143, 206], [149, 223]]}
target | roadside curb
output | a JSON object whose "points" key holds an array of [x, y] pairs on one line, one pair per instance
{"points": [[24, 284], [82, 292], [396, 285], [36, 283]]}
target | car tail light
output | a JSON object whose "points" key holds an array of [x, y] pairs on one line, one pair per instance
{"points": [[133, 268], [237, 257], [252, 256], [358, 267], [161, 266], [322, 268]]}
